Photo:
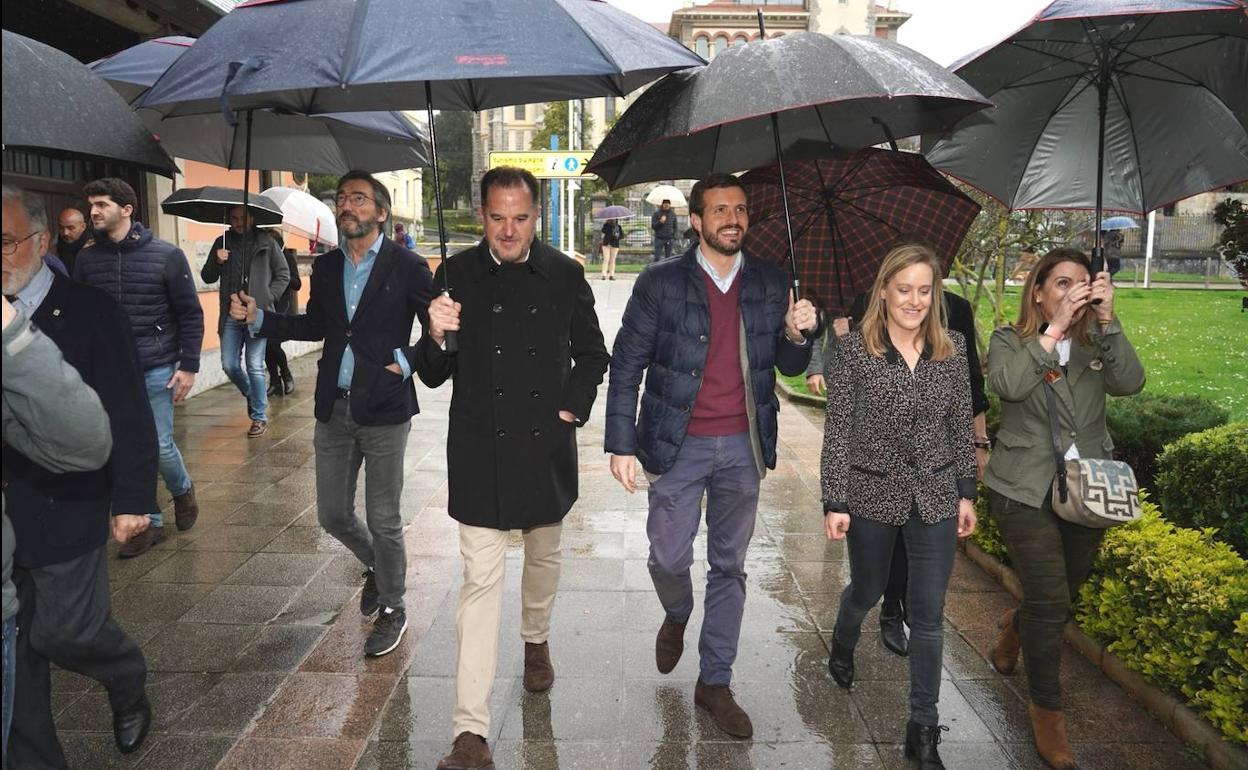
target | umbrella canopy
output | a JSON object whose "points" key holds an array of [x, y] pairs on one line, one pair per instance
{"points": [[320, 144], [211, 205], [304, 213], [666, 192], [846, 213], [1114, 105], [53, 103], [335, 56], [1119, 223], [613, 212], [826, 92]]}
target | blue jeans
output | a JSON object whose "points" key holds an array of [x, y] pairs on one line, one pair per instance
{"points": [[234, 340], [663, 248], [172, 467], [722, 468], [10, 646]]}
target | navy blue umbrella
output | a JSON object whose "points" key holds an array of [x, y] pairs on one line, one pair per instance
{"points": [[319, 144], [342, 55]]}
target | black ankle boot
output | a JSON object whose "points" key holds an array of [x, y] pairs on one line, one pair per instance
{"points": [[841, 664], [921, 743], [893, 629]]}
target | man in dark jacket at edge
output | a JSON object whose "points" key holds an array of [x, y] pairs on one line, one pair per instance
{"points": [[61, 521], [663, 223], [530, 359], [364, 298], [151, 279], [707, 331]]}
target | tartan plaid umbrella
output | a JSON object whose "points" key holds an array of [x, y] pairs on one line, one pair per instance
{"points": [[847, 212]]}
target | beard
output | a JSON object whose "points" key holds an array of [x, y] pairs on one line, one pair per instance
{"points": [[724, 246], [353, 227]]}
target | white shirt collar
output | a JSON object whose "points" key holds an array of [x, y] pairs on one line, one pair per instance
{"points": [[725, 283]]}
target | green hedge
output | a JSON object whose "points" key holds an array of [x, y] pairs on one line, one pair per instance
{"points": [[1172, 604], [1143, 424], [1202, 481]]}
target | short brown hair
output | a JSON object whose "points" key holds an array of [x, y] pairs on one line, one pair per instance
{"points": [[712, 182], [110, 186]]}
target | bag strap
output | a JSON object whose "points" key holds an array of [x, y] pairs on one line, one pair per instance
{"points": [[1055, 431]]}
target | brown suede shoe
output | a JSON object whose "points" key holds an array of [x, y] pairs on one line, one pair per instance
{"points": [[257, 429], [1049, 730], [140, 543], [539, 675], [669, 645], [1004, 655], [185, 509], [469, 752], [728, 716]]}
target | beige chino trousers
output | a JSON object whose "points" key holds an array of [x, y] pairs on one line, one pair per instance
{"points": [[480, 611]]}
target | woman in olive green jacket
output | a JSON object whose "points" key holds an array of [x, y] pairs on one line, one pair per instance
{"points": [[1080, 348]]}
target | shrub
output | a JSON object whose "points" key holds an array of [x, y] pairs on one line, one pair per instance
{"points": [[1202, 481], [1142, 425], [1172, 604]]}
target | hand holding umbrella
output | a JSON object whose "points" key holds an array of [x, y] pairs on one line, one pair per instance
{"points": [[443, 318]]}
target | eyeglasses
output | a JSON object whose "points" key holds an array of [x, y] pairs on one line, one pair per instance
{"points": [[10, 245], [355, 199]]}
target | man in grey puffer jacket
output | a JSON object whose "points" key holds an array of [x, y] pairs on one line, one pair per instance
{"points": [[53, 418]]}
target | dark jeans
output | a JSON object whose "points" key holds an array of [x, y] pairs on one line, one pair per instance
{"points": [[10, 648], [898, 576], [342, 445], [721, 468], [275, 361], [663, 248], [66, 618], [931, 549], [1052, 558]]}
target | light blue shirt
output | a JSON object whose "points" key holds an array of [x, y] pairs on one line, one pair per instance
{"points": [[725, 283], [354, 279], [34, 293]]}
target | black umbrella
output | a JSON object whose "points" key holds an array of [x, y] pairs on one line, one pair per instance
{"points": [[53, 103], [1125, 106], [319, 144], [803, 95], [339, 55], [211, 205]]}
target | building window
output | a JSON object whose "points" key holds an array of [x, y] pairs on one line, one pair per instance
{"points": [[702, 47], [519, 112], [609, 112], [721, 44]]}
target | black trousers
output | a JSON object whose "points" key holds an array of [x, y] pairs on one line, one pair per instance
{"points": [[65, 617], [898, 576], [275, 360]]}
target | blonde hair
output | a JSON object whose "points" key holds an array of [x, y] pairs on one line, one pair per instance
{"points": [[875, 319], [1030, 319]]}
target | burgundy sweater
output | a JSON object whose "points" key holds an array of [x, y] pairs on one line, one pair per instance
{"points": [[720, 407]]}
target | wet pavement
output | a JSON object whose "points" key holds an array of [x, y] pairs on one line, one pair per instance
{"points": [[251, 631]]}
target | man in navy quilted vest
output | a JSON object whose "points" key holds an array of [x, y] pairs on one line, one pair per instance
{"points": [[151, 279], [708, 331]]}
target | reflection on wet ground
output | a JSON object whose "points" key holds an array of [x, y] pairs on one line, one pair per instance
{"points": [[249, 625]]}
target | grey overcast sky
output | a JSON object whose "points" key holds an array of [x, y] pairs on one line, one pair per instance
{"points": [[944, 30]]}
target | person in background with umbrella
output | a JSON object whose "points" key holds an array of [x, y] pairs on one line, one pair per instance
{"points": [[365, 296], [898, 461], [152, 280], [281, 381], [73, 235], [531, 356], [1063, 343], [612, 234], [241, 247], [700, 324], [663, 223]]}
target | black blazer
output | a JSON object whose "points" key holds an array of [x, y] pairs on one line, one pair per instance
{"points": [[61, 516], [530, 346], [399, 290]]}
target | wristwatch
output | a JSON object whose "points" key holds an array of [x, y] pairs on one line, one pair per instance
{"points": [[982, 444]]}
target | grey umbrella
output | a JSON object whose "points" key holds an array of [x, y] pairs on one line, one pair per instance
{"points": [[342, 55], [319, 144], [53, 103], [1108, 105]]}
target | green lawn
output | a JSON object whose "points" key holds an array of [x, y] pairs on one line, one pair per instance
{"points": [[1190, 341]]}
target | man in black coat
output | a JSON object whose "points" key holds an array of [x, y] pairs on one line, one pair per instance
{"points": [[62, 520], [363, 301], [530, 359]]}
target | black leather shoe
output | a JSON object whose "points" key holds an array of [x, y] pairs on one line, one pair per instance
{"points": [[921, 743], [841, 664], [893, 628], [130, 726]]}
